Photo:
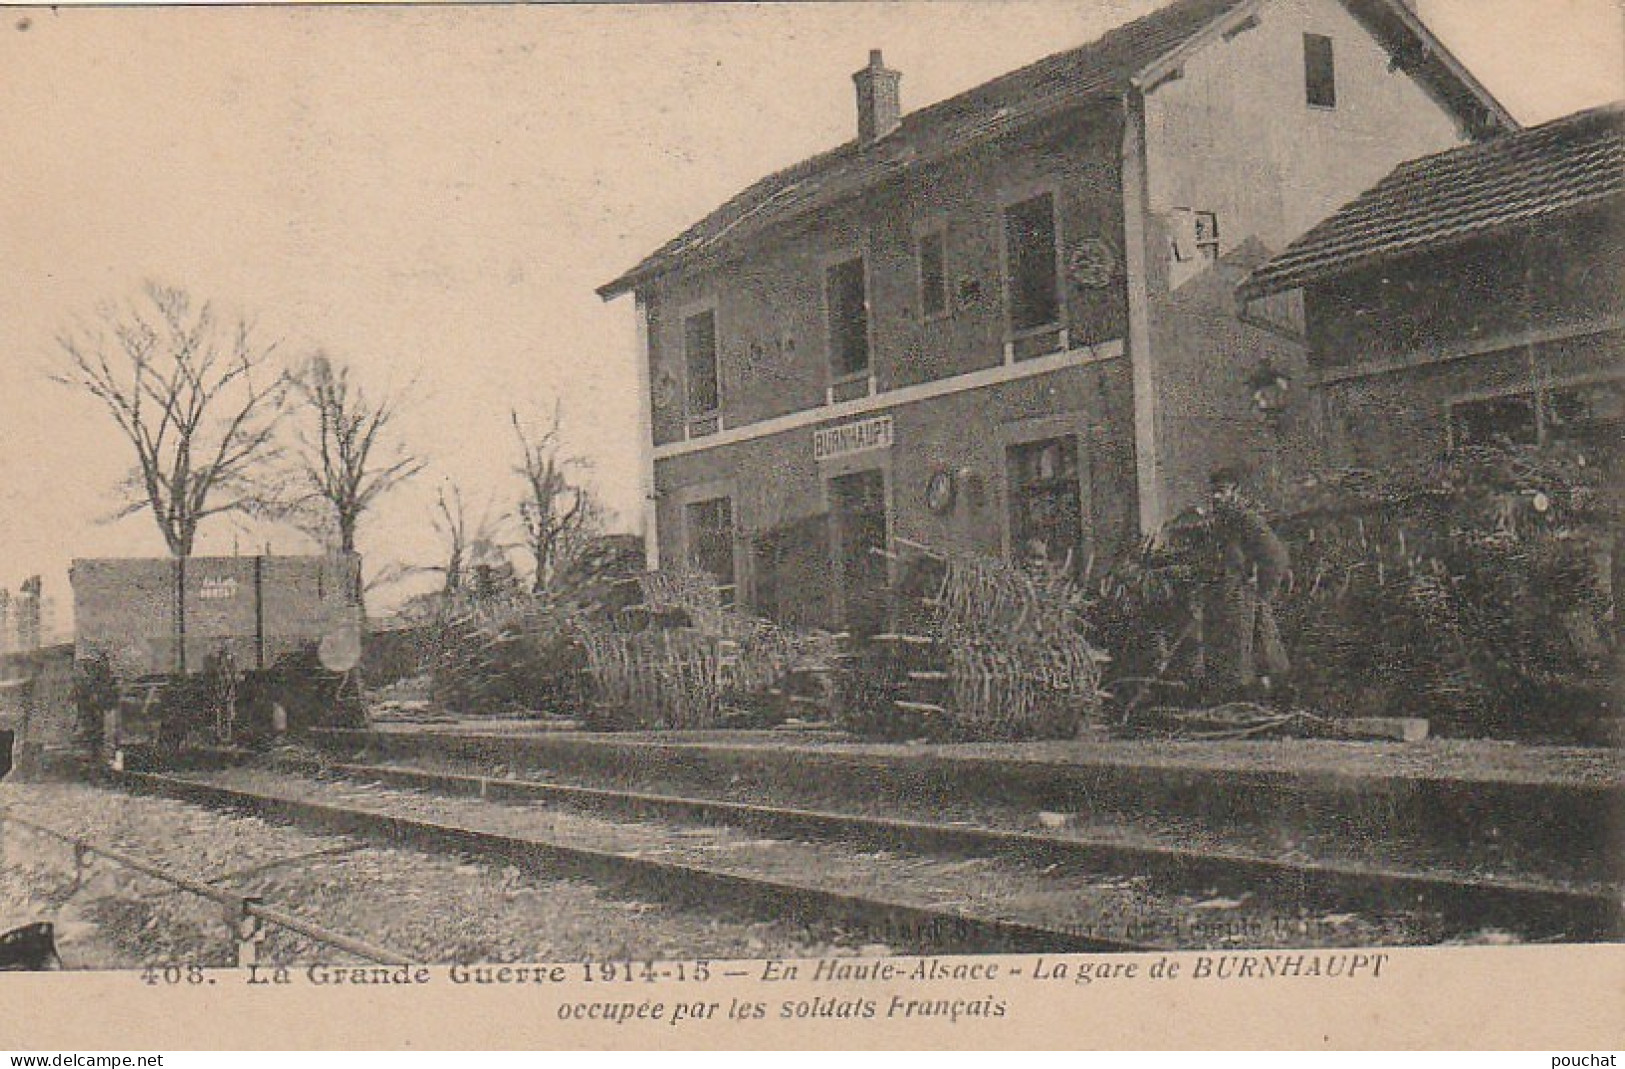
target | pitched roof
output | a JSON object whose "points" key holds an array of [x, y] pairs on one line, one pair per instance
{"points": [[1101, 68], [1104, 68], [1461, 193]]}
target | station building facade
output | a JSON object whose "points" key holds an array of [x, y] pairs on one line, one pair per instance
{"points": [[1006, 322]]}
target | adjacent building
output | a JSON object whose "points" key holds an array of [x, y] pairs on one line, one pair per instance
{"points": [[1007, 322], [1473, 294]]}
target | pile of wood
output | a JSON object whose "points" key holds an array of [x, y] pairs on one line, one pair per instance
{"points": [[659, 677], [503, 654], [682, 659], [985, 650], [1018, 661]]}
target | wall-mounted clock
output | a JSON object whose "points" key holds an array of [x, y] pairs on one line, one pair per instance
{"points": [[1093, 263]]}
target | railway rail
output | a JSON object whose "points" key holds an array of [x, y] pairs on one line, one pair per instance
{"points": [[1456, 905], [245, 916], [1546, 813], [900, 922], [1540, 908]]}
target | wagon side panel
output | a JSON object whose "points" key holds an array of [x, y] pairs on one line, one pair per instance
{"points": [[305, 599], [125, 610], [220, 611]]}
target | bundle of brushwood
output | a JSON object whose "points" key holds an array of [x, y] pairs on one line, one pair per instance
{"points": [[989, 650], [505, 654], [687, 595], [682, 659], [1018, 663], [660, 677]]}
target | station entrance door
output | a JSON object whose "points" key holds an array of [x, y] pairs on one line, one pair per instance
{"points": [[858, 541]]}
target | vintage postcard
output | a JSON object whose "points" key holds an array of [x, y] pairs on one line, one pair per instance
{"points": [[1089, 524]]}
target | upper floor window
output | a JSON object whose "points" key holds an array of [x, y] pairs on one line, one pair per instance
{"points": [[933, 274], [700, 359], [1031, 277], [1319, 71], [848, 300]]}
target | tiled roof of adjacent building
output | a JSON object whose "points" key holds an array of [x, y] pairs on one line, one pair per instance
{"points": [[1462, 193]]}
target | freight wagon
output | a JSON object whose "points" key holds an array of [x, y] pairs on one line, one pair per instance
{"points": [[215, 651]]}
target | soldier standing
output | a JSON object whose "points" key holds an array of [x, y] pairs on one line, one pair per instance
{"points": [[1244, 655]]}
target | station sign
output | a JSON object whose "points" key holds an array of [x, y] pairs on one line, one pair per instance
{"points": [[861, 437]]}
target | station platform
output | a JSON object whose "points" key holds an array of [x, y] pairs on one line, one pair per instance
{"points": [[1465, 760], [1558, 805]]}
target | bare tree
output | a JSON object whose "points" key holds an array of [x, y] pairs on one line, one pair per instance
{"points": [[451, 524], [196, 398], [474, 554], [388, 574], [555, 512], [345, 459]]}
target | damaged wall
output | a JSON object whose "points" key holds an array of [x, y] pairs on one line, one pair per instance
{"points": [[1237, 165]]}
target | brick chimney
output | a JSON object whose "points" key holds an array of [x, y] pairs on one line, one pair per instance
{"points": [[879, 102]]}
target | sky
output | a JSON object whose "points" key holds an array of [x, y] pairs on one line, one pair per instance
{"points": [[431, 194]]}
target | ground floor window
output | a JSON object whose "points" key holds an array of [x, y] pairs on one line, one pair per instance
{"points": [[1046, 504], [1583, 414], [1590, 414], [790, 580], [710, 529], [1495, 419]]}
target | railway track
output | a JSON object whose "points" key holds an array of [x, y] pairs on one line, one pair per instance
{"points": [[893, 920], [1050, 869], [423, 905], [1504, 818], [1542, 908], [246, 917]]}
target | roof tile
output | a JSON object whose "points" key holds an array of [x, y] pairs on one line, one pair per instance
{"points": [[1461, 193], [1103, 67]]}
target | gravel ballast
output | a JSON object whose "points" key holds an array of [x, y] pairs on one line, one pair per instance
{"points": [[1122, 907], [431, 908]]}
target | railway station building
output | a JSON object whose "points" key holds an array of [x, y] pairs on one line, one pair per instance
{"points": [[1007, 322]]}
